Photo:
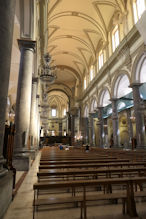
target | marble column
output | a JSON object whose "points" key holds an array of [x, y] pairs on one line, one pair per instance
{"points": [[138, 115], [7, 11], [60, 128], [91, 130], [38, 133], [130, 128], [115, 122], [68, 123], [21, 160], [37, 130], [101, 126], [86, 130], [33, 116], [72, 128]]}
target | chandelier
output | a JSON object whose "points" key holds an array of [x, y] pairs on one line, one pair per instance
{"points": [[48, 73]]}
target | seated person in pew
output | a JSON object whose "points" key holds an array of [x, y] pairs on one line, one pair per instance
{"points": [[87, 148], [60, 147], [66, 148]]}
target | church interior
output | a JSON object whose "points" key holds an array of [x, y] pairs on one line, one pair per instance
{"points": [[72, 109]]}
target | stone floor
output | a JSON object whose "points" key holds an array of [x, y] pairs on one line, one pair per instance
{"points": [[21, 207]]}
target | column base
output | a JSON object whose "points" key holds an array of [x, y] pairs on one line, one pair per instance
{"points": [[22, 162], [6, 189], [33, 153]]}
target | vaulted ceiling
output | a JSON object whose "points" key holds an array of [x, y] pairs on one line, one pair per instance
{"points": [[76, 29]]}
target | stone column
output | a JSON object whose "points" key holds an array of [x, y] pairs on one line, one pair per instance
{"points": [[37, 134], [7, 11], [72, 128], [115, 122], [33, 116], [130, 128], [68, 123], [138, 115], [21, 159], [91, 130], [85, 130], [38, 131], [60, 128], [101, 127]]}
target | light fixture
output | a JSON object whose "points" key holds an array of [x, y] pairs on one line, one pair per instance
{"points": [[48, 73]]}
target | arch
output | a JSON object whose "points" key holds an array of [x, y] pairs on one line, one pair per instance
{"points": [[120, 86], [60, 87], [86, 111], [93, 105], [139, 72], [104, 97], [137, 65]]}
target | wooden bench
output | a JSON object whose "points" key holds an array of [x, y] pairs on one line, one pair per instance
{"points": [[79, 199], [128, 181], [93, 165], [82, 161]]}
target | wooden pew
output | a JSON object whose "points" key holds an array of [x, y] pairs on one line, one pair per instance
{"points": [[105, 160], [127, 181], [108, 172], [92, 165]]}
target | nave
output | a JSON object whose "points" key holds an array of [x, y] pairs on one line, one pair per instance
{"points": [[72, 72]]}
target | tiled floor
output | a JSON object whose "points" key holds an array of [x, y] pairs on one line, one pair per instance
{"points": [[21, 207]]}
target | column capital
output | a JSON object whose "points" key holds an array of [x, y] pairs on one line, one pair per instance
{"points": [[73, 111], [114, 99], [100, 108], [29, 44], [135, 84], [92, 113], [34, 80]]}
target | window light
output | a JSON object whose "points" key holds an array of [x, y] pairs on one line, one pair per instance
{"points": [[85, 83], [138, 9], [53, 112], [91, 73], [115, 38], [100, 59], [64, 112]]}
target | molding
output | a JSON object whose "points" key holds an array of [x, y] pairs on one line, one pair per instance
{"points": [[29, 33], [25, 43]]}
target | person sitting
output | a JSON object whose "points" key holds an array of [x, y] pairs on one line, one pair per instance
{"points": [[87, 148], [61, 147], [67, 148]]}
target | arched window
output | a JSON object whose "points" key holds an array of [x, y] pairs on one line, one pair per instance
{"points": [[86, 112], [105, 98], [143, 72], [93, 105], [100, 59], [122, 86], [85, 82], [53, 112], [138, 9], [91, 73], [115, 38], [64, 112]]}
